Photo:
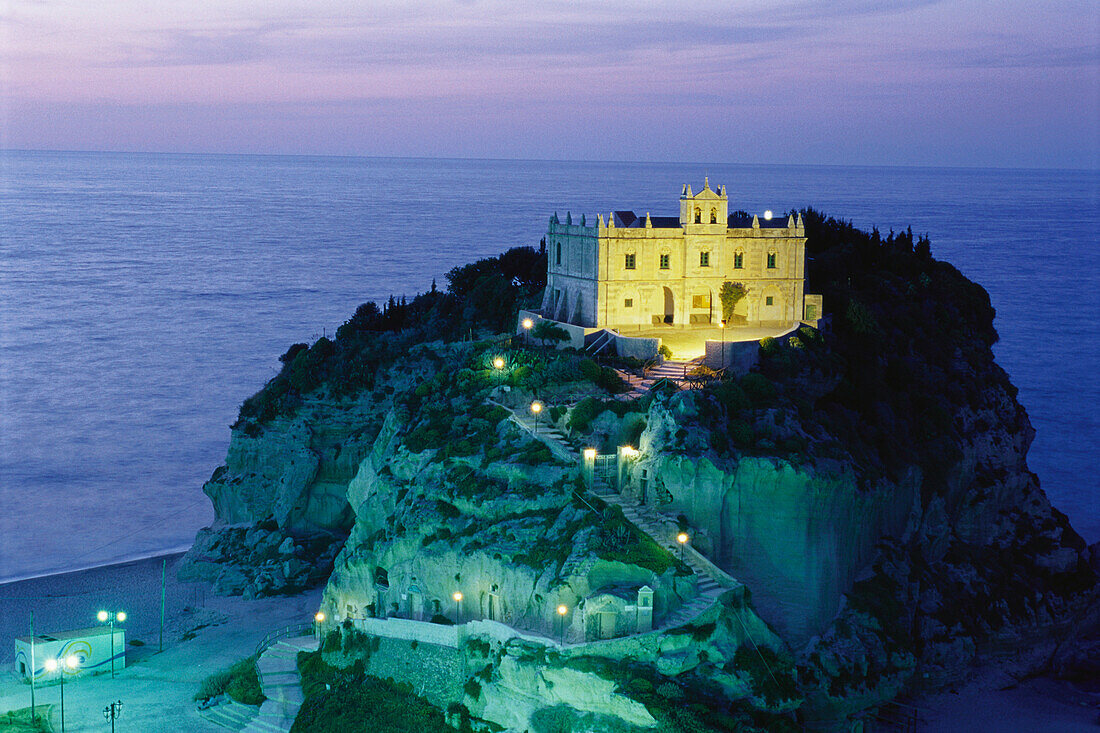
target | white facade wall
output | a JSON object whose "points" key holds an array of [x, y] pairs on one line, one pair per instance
{"points": [[590, 284]]}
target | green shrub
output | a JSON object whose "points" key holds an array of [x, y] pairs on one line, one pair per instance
{"points": [[664, 351], [758, 388], [240, 681]]}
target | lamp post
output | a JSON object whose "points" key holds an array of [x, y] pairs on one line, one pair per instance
{"points": [[722, 326], [318, 619], [458, 607], [498, 365], [113, 711], [682, 538], [562, 610], [527, 324], [108, 617], [536, 407], [54, 665]]}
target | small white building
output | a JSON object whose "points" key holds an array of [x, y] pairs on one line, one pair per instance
{"points": [[93, 647]]}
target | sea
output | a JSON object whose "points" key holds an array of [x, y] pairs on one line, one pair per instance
{"points": [[143, 297]]}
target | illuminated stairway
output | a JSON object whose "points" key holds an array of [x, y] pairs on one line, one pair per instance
{"points": [[278, 668]]}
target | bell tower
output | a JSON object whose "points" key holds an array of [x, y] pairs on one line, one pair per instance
{"points": [[706, 207]]}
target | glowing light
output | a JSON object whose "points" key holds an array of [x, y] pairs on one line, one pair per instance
{"points": [[682, 538], [721, 324], [562, 610], [457, 596], [589, 454], [768, 215], [536, 407], [51, 665], [72, 661], [319, 616], [628, 450], [103, 616], [498, 363], [121, 616], [528, 323]]}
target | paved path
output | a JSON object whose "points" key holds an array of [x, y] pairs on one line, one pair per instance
{"points": [[278, 667]]}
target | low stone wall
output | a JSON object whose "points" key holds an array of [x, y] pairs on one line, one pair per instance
{"points": [[576, 333], [637, 347], [739, 356], [409, 630]]}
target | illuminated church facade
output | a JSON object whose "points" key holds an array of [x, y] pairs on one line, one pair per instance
{"points": [[629, 272]]}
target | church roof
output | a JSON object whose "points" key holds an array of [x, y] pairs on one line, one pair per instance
{"points": [[630, 220], [739, 221]]}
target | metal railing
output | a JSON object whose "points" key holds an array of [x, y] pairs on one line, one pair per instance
{"points": [[281, 633]]}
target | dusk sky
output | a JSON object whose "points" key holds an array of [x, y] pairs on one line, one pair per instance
{"points": [[1004, 83]]}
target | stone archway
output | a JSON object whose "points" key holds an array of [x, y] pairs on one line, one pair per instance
{"points": [[670, 306]]}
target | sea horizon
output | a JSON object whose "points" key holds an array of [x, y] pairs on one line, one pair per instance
{"points": [[590, 161]]}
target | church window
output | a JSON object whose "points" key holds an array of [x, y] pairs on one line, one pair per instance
{"points": [[704, 259], [557, 254], [769, 300], [771, 260], [700, 301], [738, 260], [698, 215], [664, 262], [713, 216], [628, 303], [629, 262]]}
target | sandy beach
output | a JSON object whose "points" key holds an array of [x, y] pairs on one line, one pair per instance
{"points": [[203, 633]]}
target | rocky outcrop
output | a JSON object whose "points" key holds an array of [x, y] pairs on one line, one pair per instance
{"points": [[294, 470]]}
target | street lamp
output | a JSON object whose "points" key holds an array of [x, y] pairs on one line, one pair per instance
{"points": [[53, 665], [113, 711], [722, 325], [318, 619], [682, 538], [458, 608], [527, 324], [562, 610], [498, 365], [536, 407], [108, 617]]}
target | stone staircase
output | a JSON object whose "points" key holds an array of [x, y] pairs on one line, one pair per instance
{"points": [[671, 370], [230, 714], [710, 584], [278, 667]]}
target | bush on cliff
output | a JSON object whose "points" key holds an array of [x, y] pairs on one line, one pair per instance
{"points": [[240, 681]]}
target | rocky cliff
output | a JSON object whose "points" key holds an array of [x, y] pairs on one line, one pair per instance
{"points": [[868, 484]]}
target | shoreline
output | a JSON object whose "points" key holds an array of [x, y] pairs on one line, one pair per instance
{"points": [[171, 554]]}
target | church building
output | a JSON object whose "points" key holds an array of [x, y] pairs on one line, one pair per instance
{"points": [[632, 272]]}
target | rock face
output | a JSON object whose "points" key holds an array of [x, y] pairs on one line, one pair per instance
{"points": [[796, 537], [295, 470]]}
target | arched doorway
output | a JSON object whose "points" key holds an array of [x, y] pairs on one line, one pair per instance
{"points": [[670, 305]]}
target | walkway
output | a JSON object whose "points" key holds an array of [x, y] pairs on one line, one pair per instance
{"points": [[671, 370], [712, 580], [278, 668]]}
